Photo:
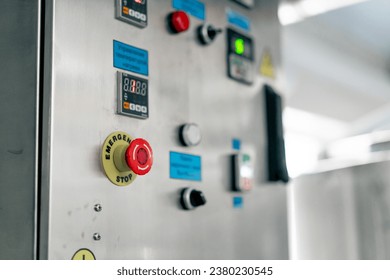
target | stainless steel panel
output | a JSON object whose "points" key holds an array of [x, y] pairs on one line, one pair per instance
{"points": [[373, 210], [19, 21], [187, 83], [323, 224], [342, 214]]}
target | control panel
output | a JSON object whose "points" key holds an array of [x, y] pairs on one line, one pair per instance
{"points": [[146, 99]]}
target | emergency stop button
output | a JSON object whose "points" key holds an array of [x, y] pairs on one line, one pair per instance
{"points": [[123, 158], [139, 156], [178, 21]]}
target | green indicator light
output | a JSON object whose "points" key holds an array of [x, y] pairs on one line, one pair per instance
{"points": [[240, 46], [246, 158]]}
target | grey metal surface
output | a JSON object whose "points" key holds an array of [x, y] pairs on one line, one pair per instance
{"points": [[187, 83], [323, 224], [19, 21], [342, 214], [373, 210]]}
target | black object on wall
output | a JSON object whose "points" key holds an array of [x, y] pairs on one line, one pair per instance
{"points": [[277, 169]]}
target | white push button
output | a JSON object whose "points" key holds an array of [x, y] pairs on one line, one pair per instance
{"points": [[190, 134]]}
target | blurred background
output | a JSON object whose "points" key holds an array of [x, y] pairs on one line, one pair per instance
{"points": [[336, 57]]}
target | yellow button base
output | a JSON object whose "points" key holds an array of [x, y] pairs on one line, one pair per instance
{"points": [[118, 174]]}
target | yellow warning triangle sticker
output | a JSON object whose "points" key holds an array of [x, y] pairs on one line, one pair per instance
{"points": [[266, 66]]}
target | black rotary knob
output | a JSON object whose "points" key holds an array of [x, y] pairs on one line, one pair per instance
{"points": [[207, 33], [191, 198]]}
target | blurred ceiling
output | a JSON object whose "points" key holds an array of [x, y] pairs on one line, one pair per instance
{"points": [[367, 24], [291, 11], [337, 64]]}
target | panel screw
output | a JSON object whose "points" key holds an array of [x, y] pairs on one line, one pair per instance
{"points": [[97, 236], [98, 207]]}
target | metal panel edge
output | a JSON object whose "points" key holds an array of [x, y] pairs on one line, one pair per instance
{"points": [[37, 134], [47, 44]]}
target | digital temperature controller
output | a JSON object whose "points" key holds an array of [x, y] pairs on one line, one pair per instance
{"points": [[132, 11], [133, 96]]}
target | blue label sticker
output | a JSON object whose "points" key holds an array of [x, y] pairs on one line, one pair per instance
{"points": [[236, 144], [130, 58], [238, 202], [238, 20], [185, 166], [193, 7]]}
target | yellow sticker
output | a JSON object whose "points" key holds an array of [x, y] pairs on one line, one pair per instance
{"points": [[84, 255], [266, 65], [113, 159]]}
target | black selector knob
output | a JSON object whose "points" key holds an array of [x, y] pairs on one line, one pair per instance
{"points": [[207, 33], [191, 198]]}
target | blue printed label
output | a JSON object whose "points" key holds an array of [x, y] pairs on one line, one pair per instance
{"points": [[185, 166], [193, 7], [236, 144], [130, 58], [238, 202], [238, 20]]}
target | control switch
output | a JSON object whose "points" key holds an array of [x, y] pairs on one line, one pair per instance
{"points": [[191, 198], [243, 172], [207, 33]]}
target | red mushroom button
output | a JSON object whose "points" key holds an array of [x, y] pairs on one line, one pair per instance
{"points": [[179, 21], [139, 156]]}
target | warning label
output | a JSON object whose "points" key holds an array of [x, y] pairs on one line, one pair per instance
{"points": [[266, 65]]}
